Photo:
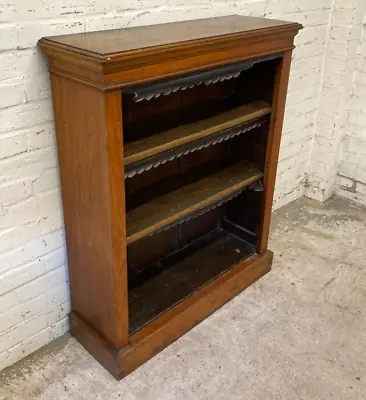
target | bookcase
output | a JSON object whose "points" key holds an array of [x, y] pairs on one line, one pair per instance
{"points": [[168, 139]]}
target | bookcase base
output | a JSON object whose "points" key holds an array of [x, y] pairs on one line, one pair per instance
{"points": [[174, 323]]}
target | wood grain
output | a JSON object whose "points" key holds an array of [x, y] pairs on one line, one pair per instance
{"points": [[92, 341], [114, 59], [116, 41], [92, 192], [113, 110], [273, 149], [167, 140], [171, 207]]}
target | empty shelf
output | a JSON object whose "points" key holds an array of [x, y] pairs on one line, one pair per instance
{"points": [[173, 138], [189, 200], [177, 277]]}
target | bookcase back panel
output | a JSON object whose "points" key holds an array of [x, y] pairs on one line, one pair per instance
{"points": [[252, 146], [257, 83]]}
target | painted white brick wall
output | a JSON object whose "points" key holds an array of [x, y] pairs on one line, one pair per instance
{"points": [[303, 94], [34, 298], [337, 163], [351, 179]]}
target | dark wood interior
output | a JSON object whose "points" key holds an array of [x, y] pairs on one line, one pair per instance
{"points": [[176, 276], [200, 206], [198, 103]]}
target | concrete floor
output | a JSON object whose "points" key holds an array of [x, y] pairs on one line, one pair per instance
{"points": [[298, 333]]}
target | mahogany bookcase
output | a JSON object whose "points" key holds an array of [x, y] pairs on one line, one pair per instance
{"points": [[168, 139]]}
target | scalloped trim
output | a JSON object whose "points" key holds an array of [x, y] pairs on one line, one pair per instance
{"points": [[213, 142], [167, 91]]}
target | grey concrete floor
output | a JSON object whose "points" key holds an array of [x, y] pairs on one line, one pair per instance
{"points": [[298, 333]]}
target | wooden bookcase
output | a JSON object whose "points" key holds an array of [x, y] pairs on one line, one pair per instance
{"points": [[168, 139]]}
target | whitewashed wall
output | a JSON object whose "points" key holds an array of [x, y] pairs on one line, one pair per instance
{"points": [[304, 90], [34, 297], [338, 144], [351, 179]]}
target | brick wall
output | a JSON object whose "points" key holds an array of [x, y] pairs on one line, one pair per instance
{"points": [[339, 111], [303, 95], [351, 178], [34, 297]]}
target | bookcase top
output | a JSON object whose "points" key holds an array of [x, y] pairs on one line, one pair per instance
{"points": [[123, 57], [102, 44]]}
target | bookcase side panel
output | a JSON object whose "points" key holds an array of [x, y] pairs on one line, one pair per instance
{"points": [[273, 148], [114, 125], [88, 144]]}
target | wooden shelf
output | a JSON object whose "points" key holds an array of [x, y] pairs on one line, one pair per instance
{"points": [[177, 278], [178, 204], [173, 138]]}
